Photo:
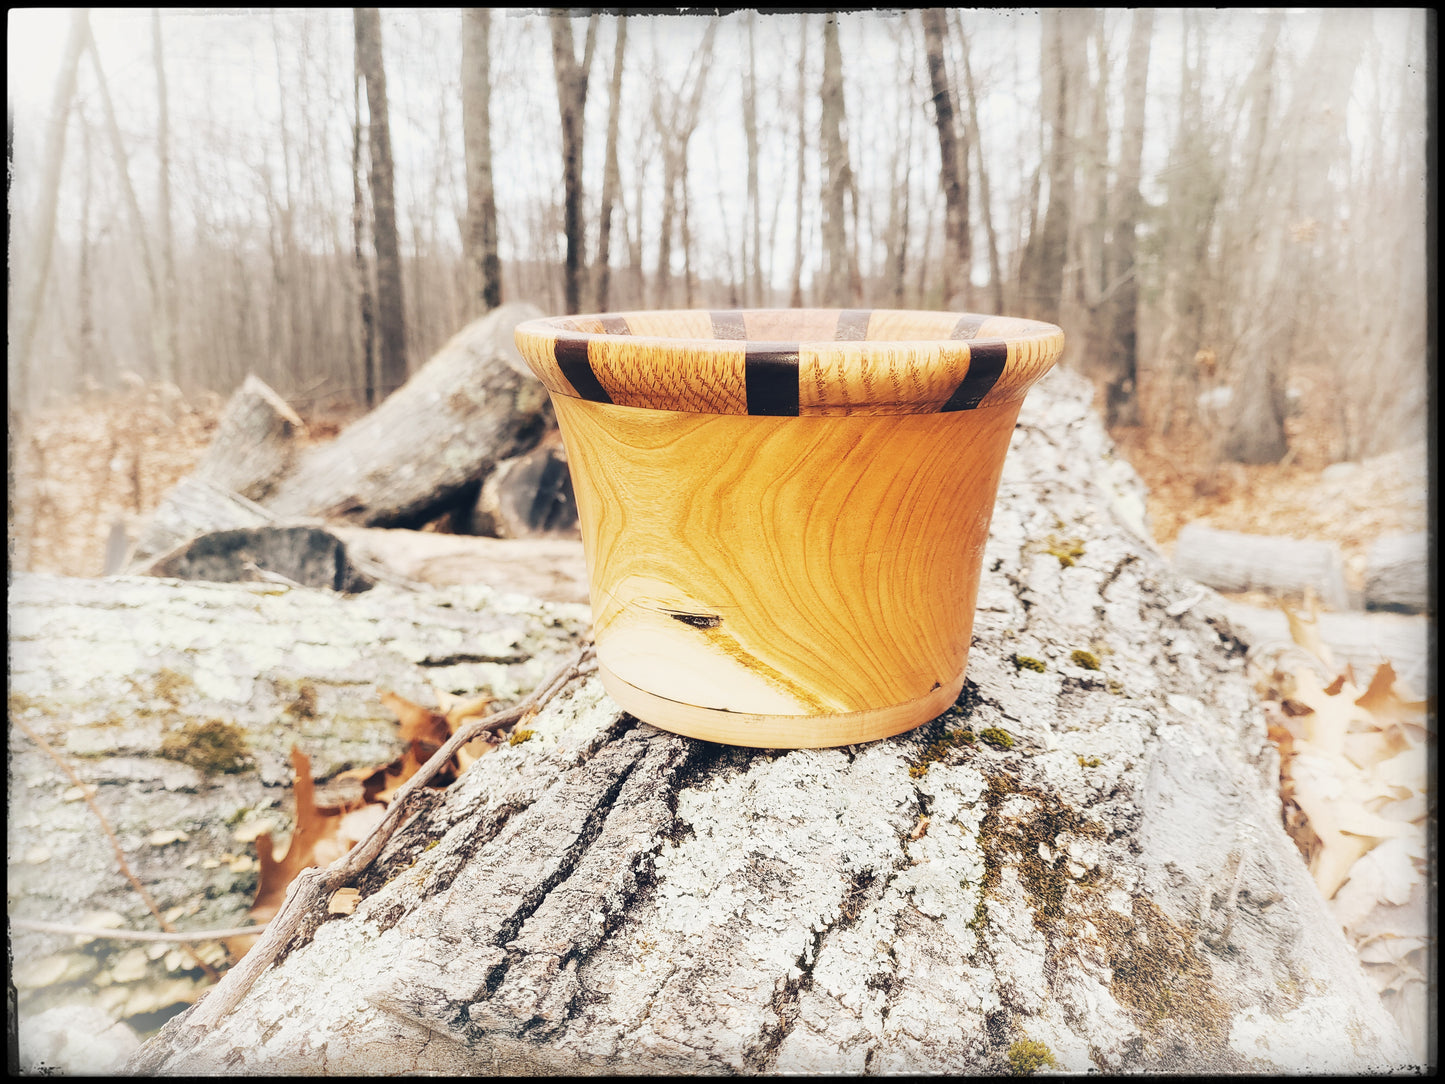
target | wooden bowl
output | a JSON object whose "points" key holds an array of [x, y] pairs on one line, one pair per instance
{"points": [[784, 511]]}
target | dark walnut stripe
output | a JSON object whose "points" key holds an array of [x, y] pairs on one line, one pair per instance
{"points": [[852, 325], [728, 325], [616, 325], [986, 360], [571, 355], [771, 374]]}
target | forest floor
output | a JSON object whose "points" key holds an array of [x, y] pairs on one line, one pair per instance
{"points": [[80, 469]]}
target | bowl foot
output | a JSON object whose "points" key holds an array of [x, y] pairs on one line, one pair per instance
{"points": [[778, 731]]}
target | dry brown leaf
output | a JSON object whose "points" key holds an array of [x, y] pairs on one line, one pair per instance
{"points": [[1305, 630], [1383, 700]]}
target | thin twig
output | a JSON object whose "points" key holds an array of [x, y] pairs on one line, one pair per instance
{"points": [[101, 933], [140, 889], [312, 886]]}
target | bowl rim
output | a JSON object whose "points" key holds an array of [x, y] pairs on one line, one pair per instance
{"points": [[788, 366]]}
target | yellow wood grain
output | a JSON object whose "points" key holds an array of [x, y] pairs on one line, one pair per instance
{"points": [[672, 374], [790, 569], [871, 378]]}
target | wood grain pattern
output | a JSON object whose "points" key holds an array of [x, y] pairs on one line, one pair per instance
{"points": [[789, 569], [791, 361], [784, 511]]}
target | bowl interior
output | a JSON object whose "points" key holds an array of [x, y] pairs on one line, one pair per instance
{"points": [[802, 325]]}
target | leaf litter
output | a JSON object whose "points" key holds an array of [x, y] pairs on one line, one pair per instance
{"points": [[1357, 802], [325, 830]]}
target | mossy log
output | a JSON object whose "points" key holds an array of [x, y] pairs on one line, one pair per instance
{"points": [[1077, 866]]}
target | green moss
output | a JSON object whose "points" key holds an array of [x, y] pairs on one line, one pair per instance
{"points": [[1091, 762], [1024, 662], [999, 739], [1115, 686], [1067, 550], [980, 913], [937, 750], [212, 747], [1026, 1056], [519, 736], [1087, 659]]}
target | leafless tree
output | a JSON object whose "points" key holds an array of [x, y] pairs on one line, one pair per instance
{"points": [[391, 319], [953, 168], [840, 286], [572, 79], [611, 175], [485, 288], [33, 286]]}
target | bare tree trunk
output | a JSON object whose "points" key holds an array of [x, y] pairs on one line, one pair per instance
{"points": [[796, 295], [753, 289], [676, 127], [1047, 248], [572, 102], [985, 198], [485, 288], [361, 268], [32, 292], [611, 179], [836, 285], [953, 170], [391, 312], [90, 374], [1122, 345], [171, 328]]}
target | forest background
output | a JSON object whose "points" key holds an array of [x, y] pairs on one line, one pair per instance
{"points": [[1226, 210]]}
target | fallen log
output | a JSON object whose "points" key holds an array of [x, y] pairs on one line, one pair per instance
{"points": [[552, 569], [1397, 573], [529, 497], [1356, 638], [472, 405], [1232, 561], [178, 704], [423, 451], [1080, 864]]}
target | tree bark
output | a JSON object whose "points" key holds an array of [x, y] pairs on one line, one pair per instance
{"points": [[572, 102], [27, 315], [390, 310], [1046, 251], [473, 404], [1397, 573], [755, 290], [1096, 871], [611, 177], [179, 704], [365, 340], [169, 310], [676, 126], [995, 266], [1232, 561], [796, 294], [485, 292], [953, 169], [1122, 346], [836, 289]]}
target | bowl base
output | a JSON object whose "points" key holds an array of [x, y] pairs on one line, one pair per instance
{"points": [[778, 731]]}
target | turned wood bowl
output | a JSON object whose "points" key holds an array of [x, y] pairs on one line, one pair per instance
{"points": [[784, 511]]}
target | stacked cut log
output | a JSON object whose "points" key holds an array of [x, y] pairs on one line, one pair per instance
{"points": [[472, 420], [1080, 865]]}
